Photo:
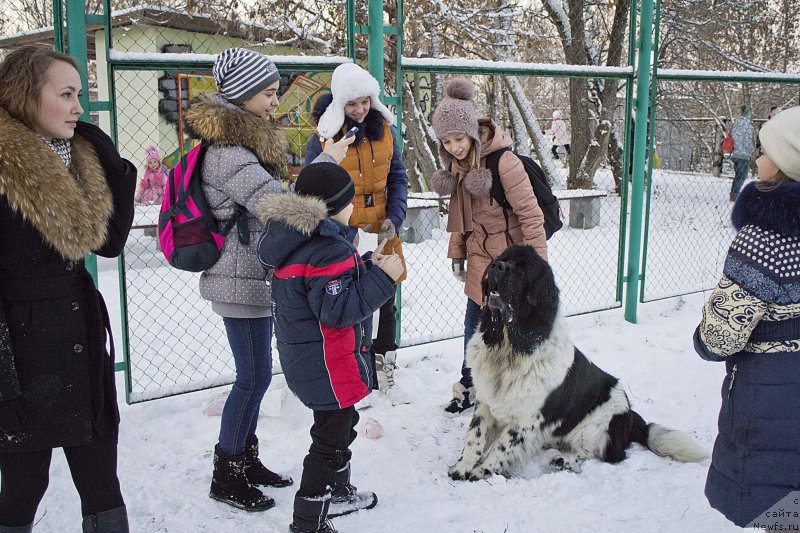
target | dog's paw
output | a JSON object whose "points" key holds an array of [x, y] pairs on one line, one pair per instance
{"points": [[458, 471], [478, 473], [568, 463]]}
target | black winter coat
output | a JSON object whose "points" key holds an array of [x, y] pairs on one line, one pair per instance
{"points": [[323, 299], [56, 376]]}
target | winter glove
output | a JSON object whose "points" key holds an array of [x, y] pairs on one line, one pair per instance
{"points": [[460, 270], [388, 231], [11, 417], [109, 157]]}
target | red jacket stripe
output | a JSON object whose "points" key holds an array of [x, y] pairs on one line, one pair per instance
{"points": [[308, 271], [340, 361]]}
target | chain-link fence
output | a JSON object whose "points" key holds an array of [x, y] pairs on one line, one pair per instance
{"points": [[175, 342], [690, 189]]}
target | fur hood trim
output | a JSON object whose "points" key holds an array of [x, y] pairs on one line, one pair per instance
{"points": [[303, 213], [444, 182], [774, 210], [69, 207], [478, 182], [214, 119], [372, 128]]}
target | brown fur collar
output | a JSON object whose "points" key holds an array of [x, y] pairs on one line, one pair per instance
{"points": [[212, 118], [69, 207]]}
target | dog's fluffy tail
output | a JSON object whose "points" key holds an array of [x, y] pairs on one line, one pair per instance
{"points": [[667, 442]]}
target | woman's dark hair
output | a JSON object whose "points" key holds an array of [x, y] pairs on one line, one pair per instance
{"points": [[23, 74]]}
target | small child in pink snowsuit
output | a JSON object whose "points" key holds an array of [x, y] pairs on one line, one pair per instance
{"points": [[151, 189]]}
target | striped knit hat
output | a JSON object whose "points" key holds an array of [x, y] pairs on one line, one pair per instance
{"points": [[241, 73]]}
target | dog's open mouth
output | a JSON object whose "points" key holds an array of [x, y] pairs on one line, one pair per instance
{"points": [[494, 300]]}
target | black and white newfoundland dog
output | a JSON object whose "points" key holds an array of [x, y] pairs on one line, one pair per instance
{"points": [[534, 390]]}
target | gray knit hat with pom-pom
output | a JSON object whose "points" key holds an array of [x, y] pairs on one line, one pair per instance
{"points": [[456, 114]]}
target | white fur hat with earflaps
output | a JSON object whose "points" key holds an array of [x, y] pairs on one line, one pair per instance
{"points": [[350, 82]]}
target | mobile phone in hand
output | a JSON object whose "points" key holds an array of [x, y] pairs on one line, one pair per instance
{"points": [[352, 132]]}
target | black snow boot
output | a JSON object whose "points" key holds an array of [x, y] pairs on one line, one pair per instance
{"points": [[111, 521], [229, 484], [256, 472], [311, 514], [345, 498]]}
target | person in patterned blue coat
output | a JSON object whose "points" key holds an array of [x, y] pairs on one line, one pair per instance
{"points": [[324, 294], [752, 323]]}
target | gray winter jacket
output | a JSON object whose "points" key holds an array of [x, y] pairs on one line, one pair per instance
{"points": [[240, 167], [743, 139]]}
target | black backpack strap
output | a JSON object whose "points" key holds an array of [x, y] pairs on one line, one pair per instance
{"points": [[497, 192], [493, 164]]}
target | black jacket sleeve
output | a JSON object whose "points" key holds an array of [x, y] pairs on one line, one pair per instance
{"points": [[121, 177]]}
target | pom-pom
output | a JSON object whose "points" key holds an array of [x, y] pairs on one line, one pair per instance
{"points": [[460, 89]]}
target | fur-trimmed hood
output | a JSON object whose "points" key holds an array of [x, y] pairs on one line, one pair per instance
{"points": [[775, 210], [69, 207], [291, 221], [214, 119], [372, 128]]}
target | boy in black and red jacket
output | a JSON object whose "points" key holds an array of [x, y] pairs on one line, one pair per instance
{"points": [[324, 295]]}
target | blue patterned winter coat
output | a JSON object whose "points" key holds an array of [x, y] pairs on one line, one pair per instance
{"points": [[323, 298], [752, 323]]}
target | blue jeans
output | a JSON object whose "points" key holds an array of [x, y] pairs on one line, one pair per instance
{"points": [[741, 168], [471, 320], [251, 343]]}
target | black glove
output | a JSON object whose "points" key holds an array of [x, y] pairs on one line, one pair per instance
{"points": [[11, 417], [113, 164]]}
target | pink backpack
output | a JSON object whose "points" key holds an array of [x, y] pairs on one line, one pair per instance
{"points": [[187, 231]]}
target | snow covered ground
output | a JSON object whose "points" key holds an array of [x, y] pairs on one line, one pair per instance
{"points": [[165, 450], [166, 445]]}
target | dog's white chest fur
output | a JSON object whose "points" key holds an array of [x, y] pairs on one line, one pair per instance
{"points": [[515, 386]]}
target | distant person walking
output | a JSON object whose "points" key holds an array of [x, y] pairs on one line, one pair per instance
{"points": [[559, 132], [743, 149]]}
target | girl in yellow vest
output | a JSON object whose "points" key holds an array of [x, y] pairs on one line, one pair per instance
{"points": [[375, 163]]}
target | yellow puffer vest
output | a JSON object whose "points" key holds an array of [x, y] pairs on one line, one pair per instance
{"points": [[368, 164]]}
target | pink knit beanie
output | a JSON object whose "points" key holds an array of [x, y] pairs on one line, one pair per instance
{"points": [[456, 114], [152, 153]]}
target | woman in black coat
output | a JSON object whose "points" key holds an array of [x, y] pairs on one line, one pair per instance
{"points": [[64, 192]]}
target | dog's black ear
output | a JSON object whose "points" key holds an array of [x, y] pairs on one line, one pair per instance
{"points": [[531, 299]]}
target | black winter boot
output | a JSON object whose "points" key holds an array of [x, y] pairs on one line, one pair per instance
{"points": [[17, 529], [111, 521], [229, 484], [310, 514], [346, 498], [256, 472]]}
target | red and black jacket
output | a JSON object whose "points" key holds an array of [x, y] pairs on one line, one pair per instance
{"points": [[324, 296]]}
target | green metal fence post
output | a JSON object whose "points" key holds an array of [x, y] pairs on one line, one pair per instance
{"points": [[375, 47], [624, 191], [651, 147], [351, 29], [76, 47], [58, 26], [639, 149]]}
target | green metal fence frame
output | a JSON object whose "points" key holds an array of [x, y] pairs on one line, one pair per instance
{"points": [[682, 75], [641, 73]]}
